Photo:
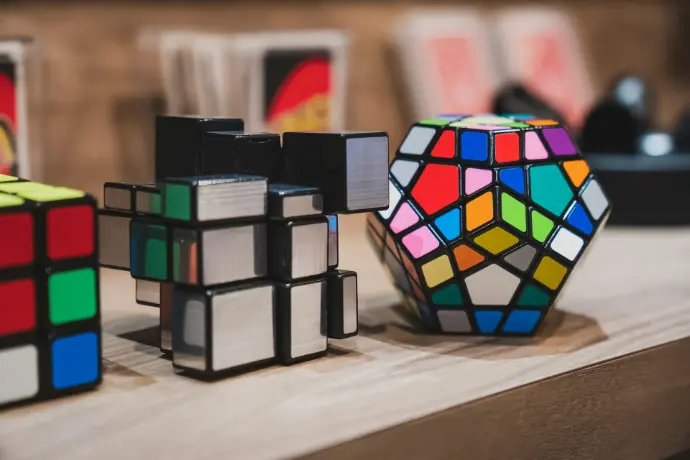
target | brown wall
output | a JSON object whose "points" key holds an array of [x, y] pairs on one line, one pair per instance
{"points": [[96, 106]]}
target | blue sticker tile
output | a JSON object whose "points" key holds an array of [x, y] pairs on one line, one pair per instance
{"points": [[449, 224], [75, 360], [577, 217], [474, 146], [514, 178], [521, 321], [488, 320]]}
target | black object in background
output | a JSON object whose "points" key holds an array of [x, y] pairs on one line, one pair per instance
{"points": [[681, 132], [515, 98]]}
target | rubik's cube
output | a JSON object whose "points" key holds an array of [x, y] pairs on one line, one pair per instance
{"points": [[50, 332], [488, 217], [237, 242]]}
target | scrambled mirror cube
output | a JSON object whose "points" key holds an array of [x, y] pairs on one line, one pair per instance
{"points": [[298, 248], [179, 141], [488, 217], [214, 198], [148, 246], [209, 256], [242, 153], [287, 201], [50, 314], [301, 321], [349, 169], [215, 330], [342, 304]]}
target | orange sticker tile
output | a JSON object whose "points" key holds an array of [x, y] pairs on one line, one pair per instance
{"points": [[479, 211], [542, 122], [467, 257], [577, 171]]}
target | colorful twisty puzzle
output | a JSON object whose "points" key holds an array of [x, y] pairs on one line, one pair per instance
{"points": [[50, 331], [488, 217]]}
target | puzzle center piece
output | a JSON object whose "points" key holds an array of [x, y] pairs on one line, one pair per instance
{"points": [[492, 259]]}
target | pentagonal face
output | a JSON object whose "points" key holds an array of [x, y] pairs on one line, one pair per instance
{"points": [[488, 217]]}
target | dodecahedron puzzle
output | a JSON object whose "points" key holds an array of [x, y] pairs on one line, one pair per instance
{"points": [[488, 217]]}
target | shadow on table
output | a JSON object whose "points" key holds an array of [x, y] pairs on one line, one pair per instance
{"points": [[562, 332]]}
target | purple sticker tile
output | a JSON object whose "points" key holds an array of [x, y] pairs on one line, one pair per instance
{"points": [[559, 141]]}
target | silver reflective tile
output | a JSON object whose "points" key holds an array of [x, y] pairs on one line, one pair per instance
{"points": [[307, 310], [148, 292], [166, 300], [244, 196], [147, 202], [309, 249], [189, 331], [454, 321], [349, 304], [185, 256], [367, 173], [117, 198], [302, 205], [113, 241], [234, 253], [332, 241], [522, 258], [242, 330]]}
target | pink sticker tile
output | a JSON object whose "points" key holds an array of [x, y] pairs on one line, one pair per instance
{"points": [[406, 217], [476, 179], [534, 148], [420, 242]]}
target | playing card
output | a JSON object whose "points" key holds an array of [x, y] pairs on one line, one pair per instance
{"points": [[447, 62], [14, 148], [540, 49], [297, 80]]}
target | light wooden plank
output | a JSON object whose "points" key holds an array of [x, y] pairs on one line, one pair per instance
{"points": [[632, 294]]}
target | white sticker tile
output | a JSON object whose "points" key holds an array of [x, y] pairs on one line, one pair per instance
{"points": [[18, 373], [417, 140], [404, 170], [567, 244], [393, 200], [594, 199], [492, 285]]}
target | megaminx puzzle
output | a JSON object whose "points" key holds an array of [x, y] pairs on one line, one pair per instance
{"points": [[488, 217], [237, 241], [50, 331]]}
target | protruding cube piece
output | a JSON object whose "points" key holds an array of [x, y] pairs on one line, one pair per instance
{"points": [[286, 201], [147, 293], [228, 152], [301, 321], [333, 252], [113, 237], [350, 169], [298, 248], [147, 200], [224, 328], [148, 246], [219, 255], [179, 151], [214, 198], [343, 311]]}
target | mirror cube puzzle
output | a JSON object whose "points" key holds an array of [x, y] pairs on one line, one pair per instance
{"points": [[488, 217], [234, 244], [50, 332]]}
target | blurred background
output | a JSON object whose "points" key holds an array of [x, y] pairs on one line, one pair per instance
{"points": [[101, 84]]}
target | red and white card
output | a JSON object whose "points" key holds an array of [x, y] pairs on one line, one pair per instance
{"points": [[447, 60], [539, 48]]}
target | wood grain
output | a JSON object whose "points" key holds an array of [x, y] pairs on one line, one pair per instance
{"points": [[99, 89], [632, 294]]}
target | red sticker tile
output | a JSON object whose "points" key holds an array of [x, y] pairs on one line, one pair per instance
{"points": [[16, 239], [17, 306], [445, 146], [507, 147], [437, 187], [70, 232]]}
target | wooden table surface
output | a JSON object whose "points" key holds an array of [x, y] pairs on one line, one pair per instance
{"points": [[608, 377]]}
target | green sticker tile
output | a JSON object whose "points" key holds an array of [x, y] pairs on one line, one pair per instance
{"points": [[156, 204], [514, 124], [434, 122], [7, 201], [156, 253], [449, 295], [549, 189], [52, 194], [532, 296], [514, 212], [541, 226], [177, 201], [4, 178], [72, 295]]}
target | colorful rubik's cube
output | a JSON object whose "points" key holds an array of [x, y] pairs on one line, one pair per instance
{"points": [[237, 242], [50, 332], [488, 217]]}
